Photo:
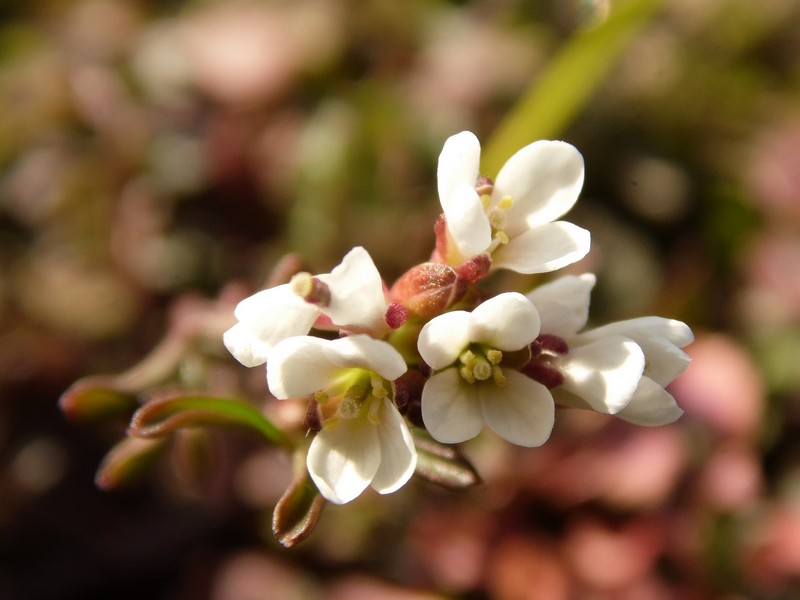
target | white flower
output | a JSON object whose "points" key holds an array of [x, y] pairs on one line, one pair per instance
{"points": [[513, 220], [620, 368], [472, 385], [364, 440], [356, 303]]}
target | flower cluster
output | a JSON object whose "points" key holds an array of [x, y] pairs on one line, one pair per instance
{"points": [[433, 352]]}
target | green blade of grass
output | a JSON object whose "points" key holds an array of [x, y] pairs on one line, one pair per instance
{"points": [[567, 83]]}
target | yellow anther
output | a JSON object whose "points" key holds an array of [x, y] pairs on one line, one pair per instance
{"points": [[321, 396], [467, 374], [497, 376], [497, 219], [494, 356], [502, 237], [466, 357], [505, 202], [486, 200], [302, 284]]}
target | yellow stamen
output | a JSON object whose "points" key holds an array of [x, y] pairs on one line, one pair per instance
{"points": [[494, 356], [302, 284], [498, 377]]}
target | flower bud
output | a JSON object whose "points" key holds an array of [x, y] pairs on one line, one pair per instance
{"points": [[429, 289], [396, 315], [475, 269]]}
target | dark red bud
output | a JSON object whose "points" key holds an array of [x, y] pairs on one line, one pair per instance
{"points": [[547, 375], [552, 343]]}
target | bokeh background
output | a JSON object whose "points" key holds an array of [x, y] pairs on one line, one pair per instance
{"points": [[158, 158]]}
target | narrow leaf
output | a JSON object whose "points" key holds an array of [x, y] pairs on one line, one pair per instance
{"points": [[567, 84], [167, 412], [443, 465], [297, 512]]}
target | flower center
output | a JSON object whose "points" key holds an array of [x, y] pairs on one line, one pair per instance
{"points": [[481, 364], [498, 218], [358, 393]]}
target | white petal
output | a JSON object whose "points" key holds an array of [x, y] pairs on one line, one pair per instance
{"points": [[664, 361], [543, 249], [563, 304], [265, 319], [604, 373], [522, 411], [364, 352], [459, 162], [676, 332], [246, 346], [443, 339], [298, 366], [467, 222], [451, 408], [508, 321], [651, 405], [357, 297], [398, 454], [544, 180], [343, 460], [659, 338]]}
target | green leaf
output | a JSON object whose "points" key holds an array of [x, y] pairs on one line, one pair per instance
{"points": [[443, 464], [297, 512], [568, 82], [168, 412]]}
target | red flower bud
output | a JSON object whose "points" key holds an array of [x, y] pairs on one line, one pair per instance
{"points": [[429, 289]]}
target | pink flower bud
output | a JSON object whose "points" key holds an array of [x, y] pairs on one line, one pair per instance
{"points": [[429, 289], [396, 315], [475, 269]]}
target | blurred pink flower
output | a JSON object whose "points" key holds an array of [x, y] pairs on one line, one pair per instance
{"points": [[606, 557], [774, 173], [731, 477], [525, 568], [722, 387]]}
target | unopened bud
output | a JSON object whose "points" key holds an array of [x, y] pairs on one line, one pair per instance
{"points": [[396, 315], [475, 269], [546, 374], [408, 395], [550, 343], [429, 289]]}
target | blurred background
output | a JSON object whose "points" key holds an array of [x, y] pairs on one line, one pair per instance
{"points": [[158, 158]]}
